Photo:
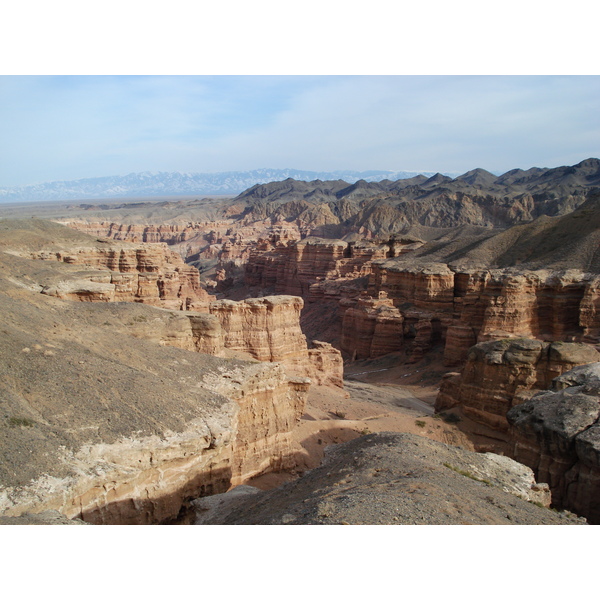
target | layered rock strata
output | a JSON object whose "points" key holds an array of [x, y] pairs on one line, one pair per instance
{"points": [[460, 308], [557, 434], [271, 403], [372, 328], [501, 374], [147, 479], [293, 268], [147, 273], [268, 329]]}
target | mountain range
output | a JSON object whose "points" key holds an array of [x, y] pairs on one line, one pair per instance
{"points": [[148, 184]]}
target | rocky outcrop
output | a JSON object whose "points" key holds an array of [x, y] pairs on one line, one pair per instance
{"points": [[501, 374], [147, 273], [237, 423], [395, 478], [293, 268], [268, 329], [271, 403], [327, 366], [372, 328], [131, 232], [144, 480], [501, 303], [557, 434]]}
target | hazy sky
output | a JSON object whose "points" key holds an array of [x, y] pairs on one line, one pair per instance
{"points": [[71, 127]]}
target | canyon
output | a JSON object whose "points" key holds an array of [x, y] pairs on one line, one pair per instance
{"points": [[210, 337]]}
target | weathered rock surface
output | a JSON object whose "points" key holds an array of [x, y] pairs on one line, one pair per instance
{"points": [[266, 329], [372, 328], [394, 478], [557, 434], [294, 267], [501, 374], [48, 517]]}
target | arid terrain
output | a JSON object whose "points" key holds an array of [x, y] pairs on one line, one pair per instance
{"points": [[418, 351]]}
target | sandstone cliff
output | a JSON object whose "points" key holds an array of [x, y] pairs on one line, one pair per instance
{"points": [[459, 308], [293, 268], [265, 329], [557, 434], [268, 329], [501, 374]]}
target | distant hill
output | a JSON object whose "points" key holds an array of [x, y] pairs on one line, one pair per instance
{"points": [[147, 184], [477, 198]]}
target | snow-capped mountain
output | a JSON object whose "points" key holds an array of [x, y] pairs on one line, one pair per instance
{"points": [[181, 184]]}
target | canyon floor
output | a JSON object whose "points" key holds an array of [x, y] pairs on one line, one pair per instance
{"points": [[380, 395]]}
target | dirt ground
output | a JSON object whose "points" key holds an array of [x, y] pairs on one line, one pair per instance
{"points": [[384, 394]]}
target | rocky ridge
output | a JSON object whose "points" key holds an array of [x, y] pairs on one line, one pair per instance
{"points": [[393, 478], [108, 271], [264, 329]]}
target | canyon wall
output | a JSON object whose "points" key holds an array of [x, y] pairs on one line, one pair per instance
{"points": [[504, 373], [295, 267], [108, 410], [148, 479], [268, 329], [460, 308], [265, 329], [557, 434]]}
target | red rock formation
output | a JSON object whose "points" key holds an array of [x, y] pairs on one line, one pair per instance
{"points": [[271, 403], [539, 304], [465, 307], [268, 329], [146, 480], [501, 374], [147, 273], [372, 328], [294, 268], [327, 365]]}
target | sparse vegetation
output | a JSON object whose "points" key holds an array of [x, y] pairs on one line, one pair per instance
{"points": [[20, 422], [420, 423]]}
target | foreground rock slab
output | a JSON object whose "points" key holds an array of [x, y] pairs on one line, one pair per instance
{"points": [[395, 478], [557, 434]]}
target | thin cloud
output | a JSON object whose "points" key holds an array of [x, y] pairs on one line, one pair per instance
{"points": [[71, 127]]}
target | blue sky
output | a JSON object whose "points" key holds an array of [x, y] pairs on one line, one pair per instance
{"points": [[71, 127]]}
